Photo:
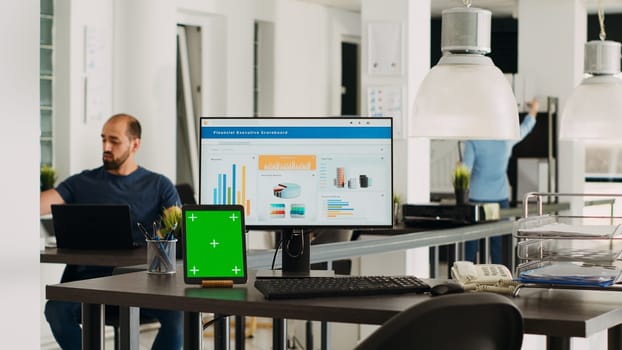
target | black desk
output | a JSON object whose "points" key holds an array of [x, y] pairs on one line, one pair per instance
{"points": [[406, 238], [123, 257], [399, 237], [558, 314], [456, 234]]}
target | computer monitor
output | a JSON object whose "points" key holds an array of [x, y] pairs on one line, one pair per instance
{"points": [[296, 174]]}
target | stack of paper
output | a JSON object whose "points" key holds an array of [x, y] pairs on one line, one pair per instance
{"points": [[570, 231], [571, 274]]}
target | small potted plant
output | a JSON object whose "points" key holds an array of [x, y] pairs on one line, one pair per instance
{"points": [[461, 179], [170, 226], [170, 223], [47, 178]]}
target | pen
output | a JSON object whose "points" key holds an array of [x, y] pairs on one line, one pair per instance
{"points": [[169, 235], [144, 231], [155, 230]]}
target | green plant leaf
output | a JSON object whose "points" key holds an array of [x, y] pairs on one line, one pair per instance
{"points": [[461, 177], [171, 218]]}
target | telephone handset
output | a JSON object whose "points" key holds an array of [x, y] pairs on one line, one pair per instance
{"points": [[466, 273]]}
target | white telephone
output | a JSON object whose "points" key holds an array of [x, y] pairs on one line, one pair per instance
{"points": [[483, 277]]}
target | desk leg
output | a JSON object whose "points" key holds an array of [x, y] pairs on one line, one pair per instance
{"points": [[129, 332], [240, 336], [614, 338], [454, 254], [193, 331], [557, 343], [279, 334], [325, 335], [434, 262], [221, 332], [92, 326], [514, 243], [309, 334], [459, 250]]}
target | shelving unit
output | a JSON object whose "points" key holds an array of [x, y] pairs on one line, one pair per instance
{"points": [[46, 80]]}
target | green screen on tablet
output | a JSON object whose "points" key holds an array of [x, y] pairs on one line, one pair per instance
{"points": [[213, 238]]}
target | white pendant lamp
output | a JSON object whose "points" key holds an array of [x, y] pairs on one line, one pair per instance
{"points": [[594, 109], [465, 96]]}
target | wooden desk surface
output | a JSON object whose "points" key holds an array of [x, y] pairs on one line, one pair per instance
{"points": [[126, 257], [560, 313]]}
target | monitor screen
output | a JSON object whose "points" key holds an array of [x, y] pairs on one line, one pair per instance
{"points": [[300, 172]]}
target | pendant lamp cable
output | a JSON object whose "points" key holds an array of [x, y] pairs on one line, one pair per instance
{"points": [[601, 20], [467, 3]]}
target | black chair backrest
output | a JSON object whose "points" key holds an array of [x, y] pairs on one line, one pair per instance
{"points": [[482, 321], [186, 194]]}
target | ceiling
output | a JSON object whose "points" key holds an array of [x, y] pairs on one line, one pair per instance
{"points": [[499, 8]]}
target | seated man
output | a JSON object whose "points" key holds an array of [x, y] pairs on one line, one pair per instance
{"points": [[119, 180]]}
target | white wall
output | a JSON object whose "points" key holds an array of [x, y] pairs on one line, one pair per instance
{"points": [[554, 70], [214, 66], [305, 51], [76, 137], [346, 26], [144, 77], [301, 67], [228, 53], [134, 73], [19, 91]]}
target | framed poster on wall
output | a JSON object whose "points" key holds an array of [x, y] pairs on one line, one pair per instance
{"points": [[385, 48], [386, 101]]}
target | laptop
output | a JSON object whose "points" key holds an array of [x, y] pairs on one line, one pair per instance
{"points": [[92, 226], [214, 244]]}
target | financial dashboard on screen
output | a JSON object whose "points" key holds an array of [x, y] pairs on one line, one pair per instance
{"points": [[299, 172]]}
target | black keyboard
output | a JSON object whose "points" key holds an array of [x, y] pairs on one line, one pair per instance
{"points": [[293, 288]]}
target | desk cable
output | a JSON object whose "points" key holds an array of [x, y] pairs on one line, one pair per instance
{"points": [[275, 252], [214, 320], [301, 251], [287, 250]]}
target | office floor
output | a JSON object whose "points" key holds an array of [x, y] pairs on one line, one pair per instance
{"points": [[261, 339]]}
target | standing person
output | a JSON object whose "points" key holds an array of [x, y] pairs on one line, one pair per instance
{"points": [[119, 180], [487, 161]]}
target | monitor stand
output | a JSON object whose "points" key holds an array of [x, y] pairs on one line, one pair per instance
{"points": [[295, 252]]}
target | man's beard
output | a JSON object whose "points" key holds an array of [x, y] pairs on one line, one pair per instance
{"points": [[115, 164]]}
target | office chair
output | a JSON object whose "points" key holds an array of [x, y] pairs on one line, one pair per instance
{"points": [[186, 193], [482, 321], [331, 235]]}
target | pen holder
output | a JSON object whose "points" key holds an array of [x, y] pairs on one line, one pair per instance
{"points": [[161, 257]]}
